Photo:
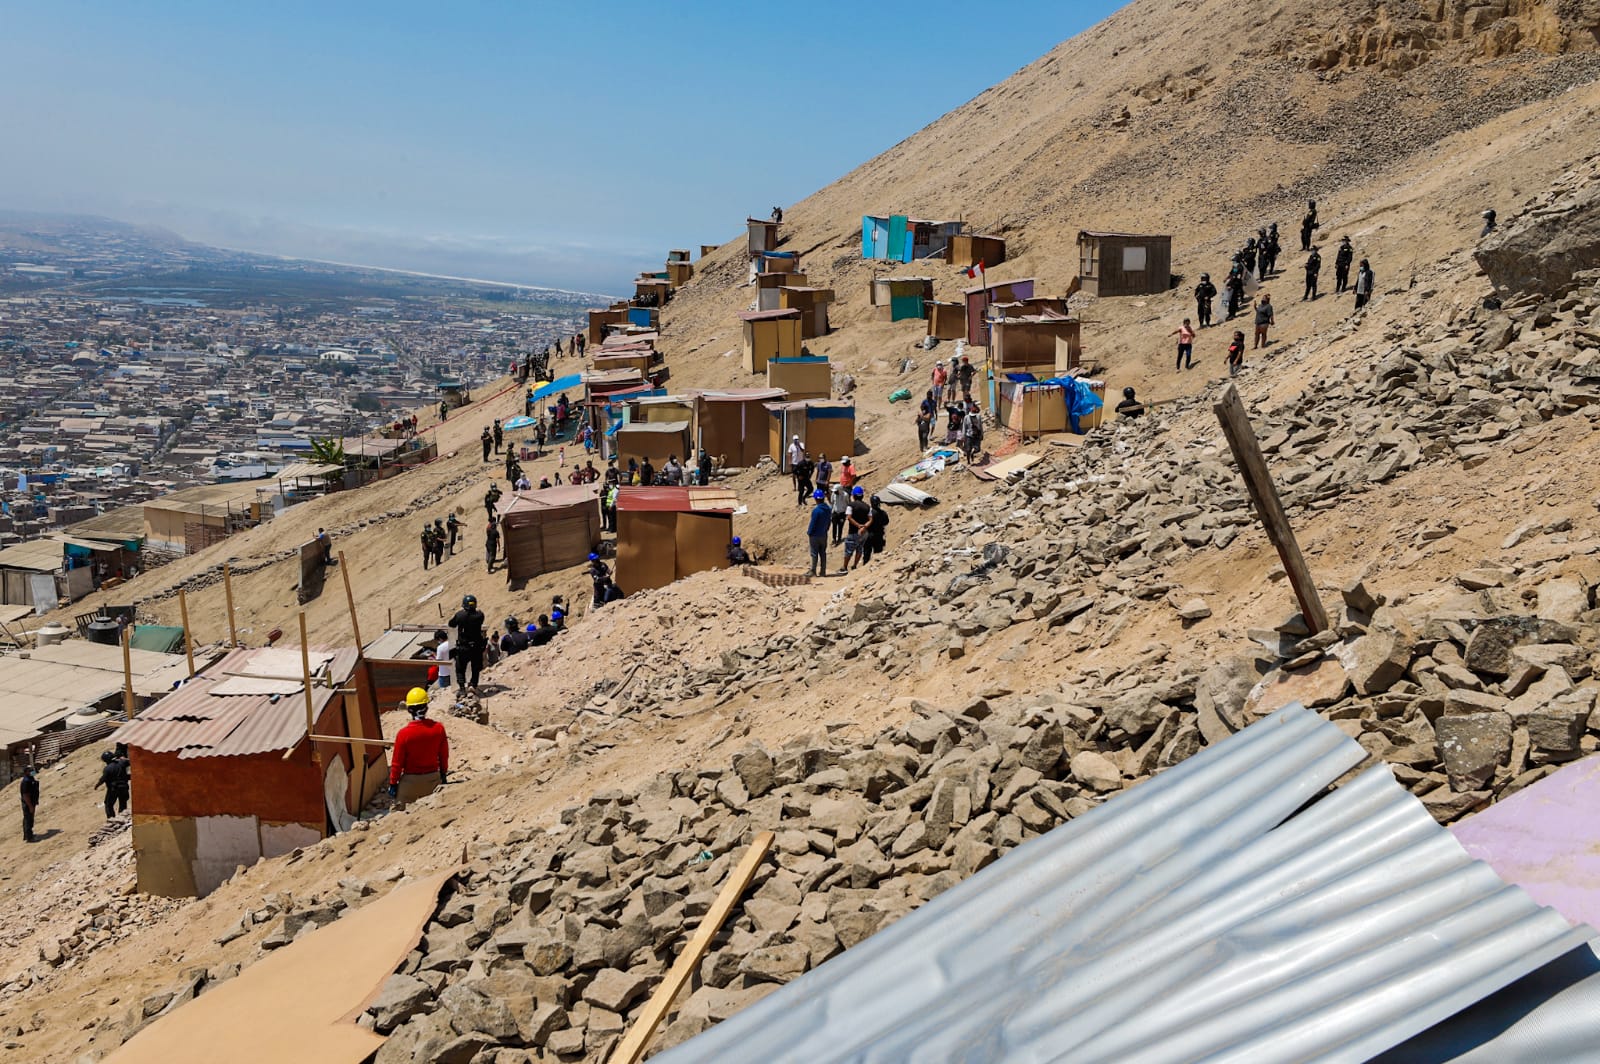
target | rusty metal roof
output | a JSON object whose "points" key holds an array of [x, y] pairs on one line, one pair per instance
{"points": [[194, 722]]}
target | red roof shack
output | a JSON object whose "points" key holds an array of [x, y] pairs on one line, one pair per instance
{"points": [[666, 534], [212, 788]]}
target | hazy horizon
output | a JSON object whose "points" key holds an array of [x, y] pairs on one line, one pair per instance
{"points": [[530, 145]]}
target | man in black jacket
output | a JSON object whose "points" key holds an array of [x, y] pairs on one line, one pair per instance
{"points": [[29, 789], [1204, 293], [469, 643], [114, 778]]}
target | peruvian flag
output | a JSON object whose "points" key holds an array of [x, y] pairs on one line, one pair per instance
{"points": [[975, 271]]}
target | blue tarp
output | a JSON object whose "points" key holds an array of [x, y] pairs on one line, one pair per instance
{"points": [[561, 384]]}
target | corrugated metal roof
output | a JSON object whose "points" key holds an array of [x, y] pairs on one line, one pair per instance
{"points": [[297, 470], [197, 723], [398, 645], [1226, 910], [677, 500], [37, 555], [769, 315]]}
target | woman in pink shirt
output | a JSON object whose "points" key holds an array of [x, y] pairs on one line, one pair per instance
{"points": [[1185, 335], [940, 378]]}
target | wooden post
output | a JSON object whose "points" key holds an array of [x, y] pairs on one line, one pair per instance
{"points": [[227, 589], [633, 1044], [359, 755], [127, 672], [1264, 495], [188, 643], [305, 672], [350, 600]]}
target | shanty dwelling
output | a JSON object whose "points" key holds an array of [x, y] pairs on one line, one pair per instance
{"points": [[802, 377], [947, 320], [773, 262], [677, 255], [1124, 264], [900, 239], [978, 300], [666, 534], [733, 423], [119, 534], [33, 574], [763, 235], [1031, 407], [637, 359], [970, 249], [454, 394], [194, 518], [768, 284], [769, 334], [600, 320], [651, 292], [655, 440], [1041, 344], [707, 249], [548, 529], [213, 789], [900, 298], [399, 660], [679, 272], [825, 426], [812, 303], [644, 317]]}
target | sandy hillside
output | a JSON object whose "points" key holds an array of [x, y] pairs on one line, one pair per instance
{"points": [[1182, 118]]}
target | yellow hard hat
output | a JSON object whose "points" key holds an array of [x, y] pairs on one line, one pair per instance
{"points": [[416, 697]]}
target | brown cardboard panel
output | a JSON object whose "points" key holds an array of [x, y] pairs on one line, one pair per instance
{"points": [[297, 1005], [163, 849]]}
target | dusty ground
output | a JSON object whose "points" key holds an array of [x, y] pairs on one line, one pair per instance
{"points": [[1039, 157]]}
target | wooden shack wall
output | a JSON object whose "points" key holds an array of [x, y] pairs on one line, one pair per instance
{"points": [[947, 321], [736, 432], [646, 549], [832, 436], [968, 250], [1019, 348], [544, 541], [656, 446], [701, 542], [801, 378], [1112, 280]]}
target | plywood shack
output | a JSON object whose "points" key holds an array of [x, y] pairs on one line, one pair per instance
{"points": [[651, 291], [732, 423], [666, 534], [213, 790], [946, 320], [979, 298], [26, 569], [679, 272], [970, 249], [1032, 408], [601, 320], [900, 298], [802, 377], [763, 235], [1124, 264], [768, 285], [1044, 344], [655, 440], [812, 303], [769, 334], [825, 426], [194, 518], [548, 529]]}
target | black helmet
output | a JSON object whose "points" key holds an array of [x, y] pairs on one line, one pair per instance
{"points": [[469, 601], [1205, 277], [1127, 393], [107, 756]]}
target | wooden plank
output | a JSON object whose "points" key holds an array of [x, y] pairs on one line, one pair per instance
{"points": [[1264, 495], [633, 1044], [227, 589]]}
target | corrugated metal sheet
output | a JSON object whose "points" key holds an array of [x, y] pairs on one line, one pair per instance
{"points": [[400, 645], [200, 724], [1226, 910], [552, 498], [38, 556]]}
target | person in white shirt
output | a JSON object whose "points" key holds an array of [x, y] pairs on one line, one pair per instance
{"points": [[796, 451], [443, 654]]}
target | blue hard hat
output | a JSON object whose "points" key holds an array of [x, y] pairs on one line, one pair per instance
{"points": [[857, 492], [531, 628], [594, 557], [817, 494], [735, 541]]}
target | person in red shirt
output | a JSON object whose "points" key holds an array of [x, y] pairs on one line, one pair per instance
{"points": [[420, 760]]}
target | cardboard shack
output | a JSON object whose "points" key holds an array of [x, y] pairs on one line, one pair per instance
{"points": [[803, 376], [733, 423], [946, 320], [213, 788], [900, 239], [769, 334], [1124, 264], [768, 284], [679, 272], [763, 235], [548, 529], [900, 298], [666, 534], [979, 299], [825, 426], [601, 320]]}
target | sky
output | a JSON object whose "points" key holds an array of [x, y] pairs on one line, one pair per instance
{"points": [[563, 144]]}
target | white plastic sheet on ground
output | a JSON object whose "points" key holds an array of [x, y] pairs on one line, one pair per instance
{"points": [[1226, 910]]}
